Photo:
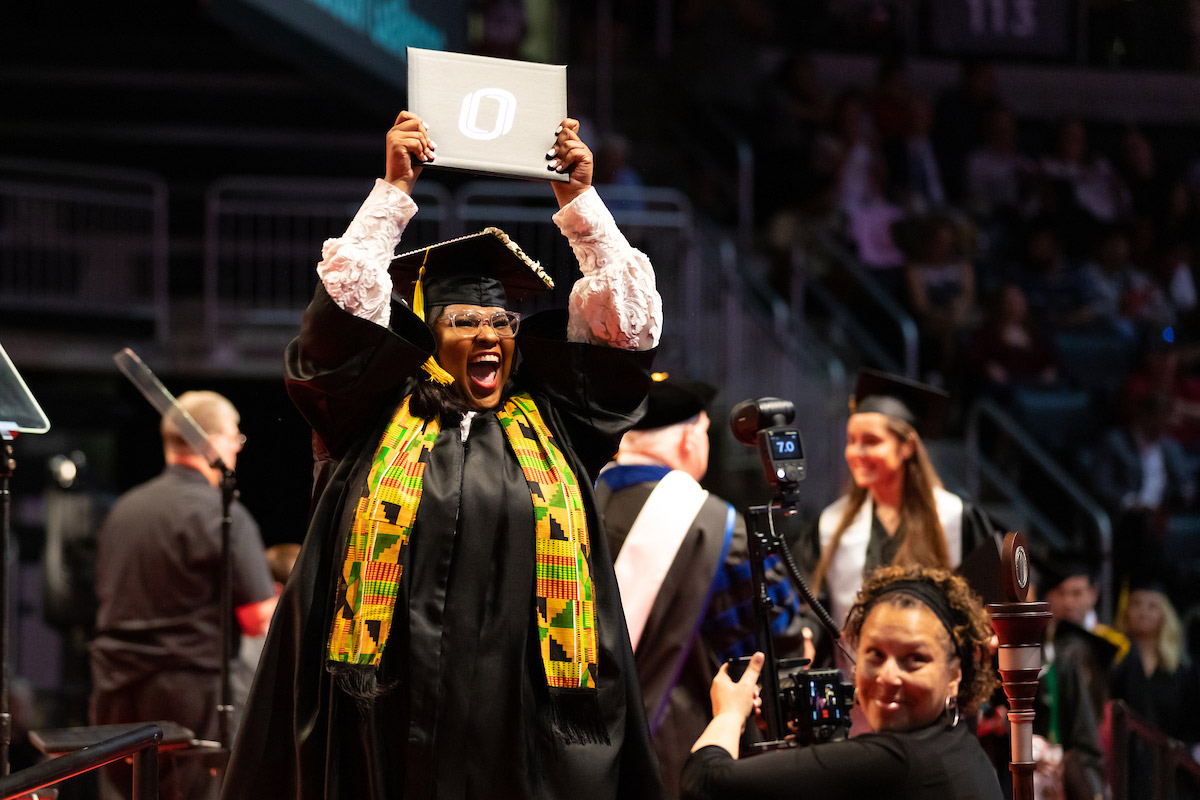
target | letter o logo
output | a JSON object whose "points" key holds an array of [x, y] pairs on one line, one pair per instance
{"points": [[468, 118]]}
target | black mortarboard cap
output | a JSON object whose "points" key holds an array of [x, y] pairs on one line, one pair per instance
{"points": [[1055, 568], [673, 398], [483, 269], [1147, 582], [923, 406]]}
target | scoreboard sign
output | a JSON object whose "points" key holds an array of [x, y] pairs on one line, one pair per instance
{"points": [[1002, 27]]}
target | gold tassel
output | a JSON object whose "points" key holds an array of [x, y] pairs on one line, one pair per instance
{"points": [[418, 306]]}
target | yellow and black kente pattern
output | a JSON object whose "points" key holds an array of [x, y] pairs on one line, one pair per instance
{"points": [[566, 605], [378, 535], [383, 521]]}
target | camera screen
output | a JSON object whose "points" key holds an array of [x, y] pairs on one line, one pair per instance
{"points": [[825, 702], [786, 444]]}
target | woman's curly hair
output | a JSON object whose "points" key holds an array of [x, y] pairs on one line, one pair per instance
{"points": [[971, 632]]}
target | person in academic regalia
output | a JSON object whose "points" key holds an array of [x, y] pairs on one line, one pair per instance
{"points": [[452, 628], [895, 510], [683, 565]]}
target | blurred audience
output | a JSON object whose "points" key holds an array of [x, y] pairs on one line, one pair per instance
{"points": [[1142, 476], [997, 174], [917, 180], [1161, 371], [960, 122], [1053, 283], [1095, 184], [941, 290], [1008, 351], [1122, 298], [870, 227]]}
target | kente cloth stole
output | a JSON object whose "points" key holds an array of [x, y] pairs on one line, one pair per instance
{"points": [[383, 520]]}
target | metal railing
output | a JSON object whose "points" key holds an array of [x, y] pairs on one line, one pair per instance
{"points": [[772, 353], [141, 743], [850, 319], [985, 417], [84, 240], [1170, 759], [263, 237]]}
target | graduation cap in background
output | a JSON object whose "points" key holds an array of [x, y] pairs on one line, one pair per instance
{"points": [[481, 269], [1054, 568], [673, 398], [923, 406]]}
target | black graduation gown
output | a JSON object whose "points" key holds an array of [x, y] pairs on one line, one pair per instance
{"points": [[467, 714]]}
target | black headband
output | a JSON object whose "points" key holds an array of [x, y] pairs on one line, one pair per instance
{"points": [[932, 597]]}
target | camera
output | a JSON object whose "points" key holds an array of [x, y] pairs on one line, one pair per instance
{"points": [[814, 703], [766, 423]]}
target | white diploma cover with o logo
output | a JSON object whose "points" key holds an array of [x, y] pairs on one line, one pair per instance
{"points": [[491, 115]]}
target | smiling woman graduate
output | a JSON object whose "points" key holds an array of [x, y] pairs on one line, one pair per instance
{"points": [[452, 627], [895, 509]]}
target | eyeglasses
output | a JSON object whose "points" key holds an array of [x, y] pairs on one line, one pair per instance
{"points": [[469, 323]]}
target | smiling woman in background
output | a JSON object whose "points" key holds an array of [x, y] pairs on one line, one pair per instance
{"points": [[923, 666], [895, 510]]}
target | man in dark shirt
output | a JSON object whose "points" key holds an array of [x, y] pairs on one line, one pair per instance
{"points": [[157, 651]]}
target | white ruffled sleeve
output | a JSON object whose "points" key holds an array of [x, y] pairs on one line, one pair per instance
{"points": [[615, 303], [354, 267]]}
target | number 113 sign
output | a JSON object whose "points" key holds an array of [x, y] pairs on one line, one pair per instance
{"points": [[1003, 27]]}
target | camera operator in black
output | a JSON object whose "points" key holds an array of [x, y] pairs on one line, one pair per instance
{"points": [[921, 637]]}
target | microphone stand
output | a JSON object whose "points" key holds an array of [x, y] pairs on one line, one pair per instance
{"points": [[229, 493], [19, 413], [7, 465], [153, 390]]}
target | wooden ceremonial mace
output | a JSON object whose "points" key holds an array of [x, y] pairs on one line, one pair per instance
{"points": [[1020, 627]]}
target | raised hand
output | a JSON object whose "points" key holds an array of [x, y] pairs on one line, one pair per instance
{"points": [[571, 156], [740, 698], [408, 147]]}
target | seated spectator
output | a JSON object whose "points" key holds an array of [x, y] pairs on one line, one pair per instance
{"points": [[1157, 681], [792, 105], [998, 175], [891, 100], [1160, 371], [941, 290], [1053, 284], [1008, 350], [845, 151], [1149, 188], [1095, 184], [960, 120], [869, 227], [916, 178], [1142, 475], [1123, 298]]}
